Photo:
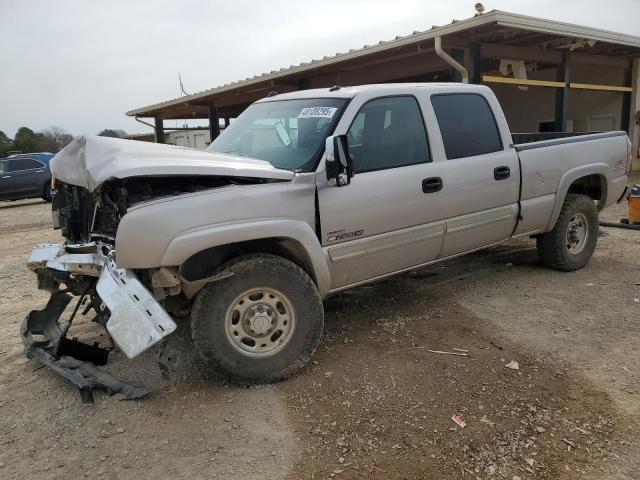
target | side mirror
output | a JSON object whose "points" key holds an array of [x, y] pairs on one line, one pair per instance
{"points": [[338, 165]]}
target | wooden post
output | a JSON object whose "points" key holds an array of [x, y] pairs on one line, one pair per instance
{"points": [[562, 94], [634, 128], [475, 63], [214, 122], [159, 130]]}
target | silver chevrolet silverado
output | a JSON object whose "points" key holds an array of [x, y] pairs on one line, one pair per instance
{"points": [[304, 195]]}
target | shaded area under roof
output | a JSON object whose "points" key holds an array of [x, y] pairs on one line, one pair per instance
{"points": [[387, 60]]}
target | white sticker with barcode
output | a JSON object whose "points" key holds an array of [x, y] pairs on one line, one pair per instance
{"points": [[317, 112]]}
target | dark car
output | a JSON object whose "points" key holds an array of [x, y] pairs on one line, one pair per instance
{"points": [[25, 176]]}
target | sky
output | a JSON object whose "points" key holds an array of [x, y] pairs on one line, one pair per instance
{"points": [[81, 64]]}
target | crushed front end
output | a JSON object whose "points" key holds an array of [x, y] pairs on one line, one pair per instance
{"points": [[85, 267]]}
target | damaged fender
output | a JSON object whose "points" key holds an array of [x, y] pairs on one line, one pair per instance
{"points": [[190, 243]]}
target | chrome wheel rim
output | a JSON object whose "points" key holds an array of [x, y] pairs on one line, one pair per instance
{"points": [[260, 322], [577, 233]]}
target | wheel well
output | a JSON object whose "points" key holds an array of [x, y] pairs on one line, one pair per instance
{"points": [[591, 185], [205, 263]]}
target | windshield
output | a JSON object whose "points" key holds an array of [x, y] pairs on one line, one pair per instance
{"points": [[288, 134]]}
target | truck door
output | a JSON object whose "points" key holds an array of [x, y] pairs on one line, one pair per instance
{"points": [[481, 175], [390, 217]]}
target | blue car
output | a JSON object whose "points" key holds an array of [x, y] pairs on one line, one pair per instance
{"points": [[25, 175]]}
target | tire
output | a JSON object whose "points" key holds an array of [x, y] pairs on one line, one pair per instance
{"points": [[46, 192], [571, 243], [230, 314]]}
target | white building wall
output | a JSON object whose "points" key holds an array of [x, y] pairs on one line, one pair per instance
{"points": [[188, 138]]}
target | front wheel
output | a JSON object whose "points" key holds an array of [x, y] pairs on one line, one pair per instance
{"points": [[260, 324], [46, 193], [571, 243]]}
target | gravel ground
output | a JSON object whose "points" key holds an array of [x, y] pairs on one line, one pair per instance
{"points": [[375, 402]]}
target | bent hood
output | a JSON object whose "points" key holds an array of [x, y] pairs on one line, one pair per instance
{"points": [[89, 161]]}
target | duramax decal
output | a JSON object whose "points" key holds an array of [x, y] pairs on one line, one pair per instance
{"points": [[343, 235]]}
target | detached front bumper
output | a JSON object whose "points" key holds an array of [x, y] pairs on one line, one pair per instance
{"points": [[134, 319]]}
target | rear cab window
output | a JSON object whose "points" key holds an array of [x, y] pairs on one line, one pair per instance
{"points": [[467, 125]]}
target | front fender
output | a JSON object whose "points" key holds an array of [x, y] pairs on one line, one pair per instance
{"points": [[600, 169], [189, 243]]}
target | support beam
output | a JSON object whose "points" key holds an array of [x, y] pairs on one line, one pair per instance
{"points": [[634, 128], [541, 55], [159, 130], [458, 55], [562, 94], [214, 122], [475, 63], [522, 81]]}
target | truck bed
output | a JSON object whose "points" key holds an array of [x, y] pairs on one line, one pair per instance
{"points": [[549, 167]]}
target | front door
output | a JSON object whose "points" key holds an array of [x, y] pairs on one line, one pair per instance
{"points": [[24, 176], [390, 217], [6, 181]]}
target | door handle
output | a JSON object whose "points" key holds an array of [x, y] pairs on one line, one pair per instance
{"points": [[501, 173], [6, 176], [431, 184]]}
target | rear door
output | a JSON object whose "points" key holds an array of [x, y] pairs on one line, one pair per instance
{"points": [[481, 171], [385, 220], [27, 176]]}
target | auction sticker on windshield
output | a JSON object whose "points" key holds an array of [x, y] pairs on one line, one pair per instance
{"points": [[317, 112]]}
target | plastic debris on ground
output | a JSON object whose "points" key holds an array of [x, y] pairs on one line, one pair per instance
{"points": [[458, 420], [513, 365]]}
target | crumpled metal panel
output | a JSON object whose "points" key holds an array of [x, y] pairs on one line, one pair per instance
{"points": [[89, 161], [137, 320], [54, 256]]}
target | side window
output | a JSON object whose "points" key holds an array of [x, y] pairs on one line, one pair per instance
{"points": [[18, 164], [3, 168], [388, 132], [467, 125]]}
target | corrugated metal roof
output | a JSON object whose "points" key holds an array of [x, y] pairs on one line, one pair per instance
{"points": [[498, 17]]}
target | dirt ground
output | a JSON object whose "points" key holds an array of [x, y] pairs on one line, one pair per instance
{"points": [[375, 402]]}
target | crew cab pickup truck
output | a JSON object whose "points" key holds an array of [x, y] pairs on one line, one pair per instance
{"points": [[304, 195]]}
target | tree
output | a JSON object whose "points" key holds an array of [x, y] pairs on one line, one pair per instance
{"points": [[111, 132], [54, 139], [6, 144], [26, 140]]}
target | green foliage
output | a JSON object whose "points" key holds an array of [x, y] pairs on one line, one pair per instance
{"points": [[6, 144], [52, 140], [26, 140], [111, 132]]}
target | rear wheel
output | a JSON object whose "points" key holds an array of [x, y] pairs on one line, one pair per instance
{"points": [[262, 323], [571, 243]]}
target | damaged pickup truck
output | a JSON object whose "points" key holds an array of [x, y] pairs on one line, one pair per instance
{"points": [[304, 195]]}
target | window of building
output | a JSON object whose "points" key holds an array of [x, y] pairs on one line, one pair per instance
{"points": [[467, 125], [386, 133]]}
